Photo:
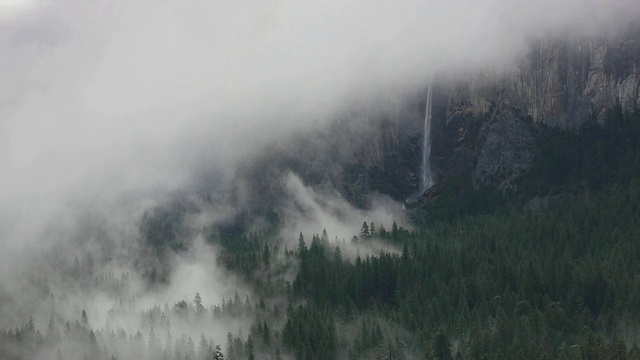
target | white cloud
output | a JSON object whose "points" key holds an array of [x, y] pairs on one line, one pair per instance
{"points": [[105, 96], [105, 100], [311, 211]]}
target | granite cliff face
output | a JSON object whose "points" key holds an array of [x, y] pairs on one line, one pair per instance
{"points": [[483, 126], [560, 82]]}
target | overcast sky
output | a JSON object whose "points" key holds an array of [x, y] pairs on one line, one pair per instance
{"points": [[104, 98]]}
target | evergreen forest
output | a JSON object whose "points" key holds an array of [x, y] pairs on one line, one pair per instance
{"points": [[549, 269]]}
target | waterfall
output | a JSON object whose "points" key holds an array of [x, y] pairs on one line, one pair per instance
{"points": [[427, 174]]}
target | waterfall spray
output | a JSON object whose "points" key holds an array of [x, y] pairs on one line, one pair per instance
{"points": [[427, 174]]}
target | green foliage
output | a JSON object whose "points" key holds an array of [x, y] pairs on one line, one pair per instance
{"points": [[590, 158], [482, 276], [310, 333], [533, 276], [458, 198], [442, 347]]}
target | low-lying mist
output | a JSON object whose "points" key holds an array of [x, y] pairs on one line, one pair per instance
{"points": [[314, 212]]}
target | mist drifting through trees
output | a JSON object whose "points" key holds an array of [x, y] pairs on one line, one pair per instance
{"points": [[171, 186]]}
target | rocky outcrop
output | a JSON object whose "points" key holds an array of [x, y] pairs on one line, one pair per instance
{"points": [[565, 82], [482, 125], [561, 82], [507, 152]]}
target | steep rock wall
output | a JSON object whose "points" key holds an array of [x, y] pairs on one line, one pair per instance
{"points": [[560, 82], [482, 126]]}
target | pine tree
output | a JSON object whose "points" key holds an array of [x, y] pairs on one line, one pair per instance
{"points": [[617, 350], [94, 349], [266, 334], [230, 348], [202, 348], [67, 329], [217, 354], [324, 240], [191, 349], [30, 328], [84, 319], [442, 347], [277, 355], [364, 231], [197, 303], [382, 232], [249, 347], [634, 352], [138, 344], [168, 342], [266, 256], [302, 246], [337, 256], [154, 344]]}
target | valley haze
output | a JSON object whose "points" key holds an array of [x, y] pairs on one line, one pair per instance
{"points": [[111, 109]]}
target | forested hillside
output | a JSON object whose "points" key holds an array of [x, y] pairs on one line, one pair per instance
{"points": [[550, 270]]}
